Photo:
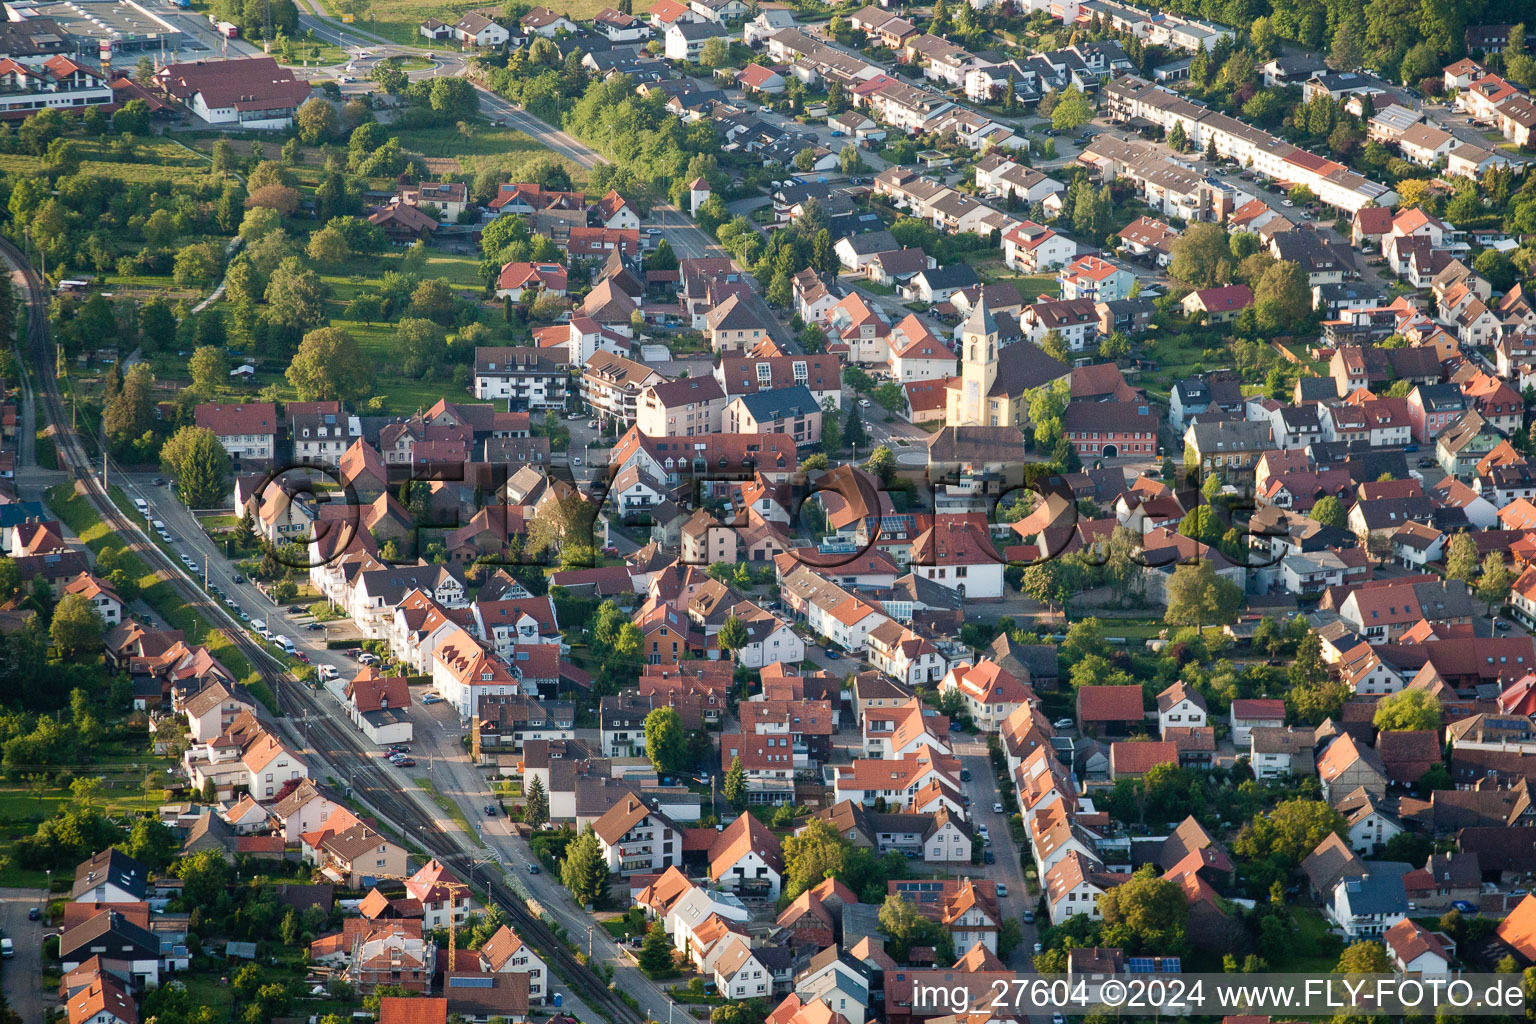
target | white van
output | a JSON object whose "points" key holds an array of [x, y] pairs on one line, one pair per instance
{"points": [[284, 643], [142, 506], [259, 625], [327, 672]]}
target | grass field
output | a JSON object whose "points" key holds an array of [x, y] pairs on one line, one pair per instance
{"points": [[156, 160], [483, 147]]}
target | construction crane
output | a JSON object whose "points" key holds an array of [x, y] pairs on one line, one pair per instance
{"points": [[454, 889]]}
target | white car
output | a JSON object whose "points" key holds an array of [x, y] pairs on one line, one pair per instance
{"points": [[193, 567], [1002, 889], [326, 672], [863, 403], [982, 828], [1063, 723], [997, 808], [1286, 202]]}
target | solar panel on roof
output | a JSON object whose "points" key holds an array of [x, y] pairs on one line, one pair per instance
{"points": [[472, 982], [1140, 965], [1170, 965]]}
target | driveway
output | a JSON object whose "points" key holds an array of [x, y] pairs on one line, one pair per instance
{"points": [[23, 975]]}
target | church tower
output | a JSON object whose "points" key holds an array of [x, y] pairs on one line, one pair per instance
{"points": [[978, 365]]}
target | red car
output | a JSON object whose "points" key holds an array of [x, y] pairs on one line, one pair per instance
{"points": [[301, 656], [406, 762]]}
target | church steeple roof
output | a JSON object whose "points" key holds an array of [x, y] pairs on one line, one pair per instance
{"points": [[981, 320]]}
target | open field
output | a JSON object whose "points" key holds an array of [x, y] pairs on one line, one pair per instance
{"points": [[482, 147]]}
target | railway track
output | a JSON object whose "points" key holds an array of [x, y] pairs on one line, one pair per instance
{"points": [[338, 749]]}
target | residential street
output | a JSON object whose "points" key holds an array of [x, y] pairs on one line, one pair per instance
{"points": [[25, 990]]}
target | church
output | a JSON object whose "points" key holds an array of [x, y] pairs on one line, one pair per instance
{"points": [[998, 366]]}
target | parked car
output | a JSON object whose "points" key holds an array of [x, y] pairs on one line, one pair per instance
{"points": [[1465, 906], [490, 810], [1029, 917], [301, 656], [1500, 625], [34, 914], [1063, 723], [533, 869], [997, 808], [987, 857], [315, 627], [237, 578], [406, 762], [965, 775], [832, 654], [1002, 889], [194, 567]]}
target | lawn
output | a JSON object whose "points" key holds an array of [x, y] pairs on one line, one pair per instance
{"points": [[1316, 949], [155, 160], [447, 806], [993, 270], [483, 146]]}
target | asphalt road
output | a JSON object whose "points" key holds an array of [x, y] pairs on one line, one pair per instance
{"points": [[23, 975]]}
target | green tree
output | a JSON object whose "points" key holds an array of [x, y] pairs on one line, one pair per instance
{"points": [[815, 854], [536, 804], [736, 785], [656, 955], [1290, 832], [76, 628], [1329, 511], [209, 369], [296, 296], [199, 464], [665, 742], [1197, 596], [1461, 558], [1363, 957], [1072, 110], [1282, 298], [1407, 710], [1145, 914], [732, 636], [584, 871], [329, 365], [1494, 585], [316, 120], [204, 876], [882, 463]]}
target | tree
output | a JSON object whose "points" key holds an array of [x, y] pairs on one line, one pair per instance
{"points": [[882, 464], [209, 369], [203, 876], [1145, 914], [1364, 957], [1329, 511], [1197, 596], [296, 296], [316, 119], [1347, 52], [1461, 558], [1282, 298], [736, 785], [76, 628], [329, 365], [1407, 710], [199, 464], [665, 742], [855, 434], [655, 956], [1072, 110], [329, 246], [434, 300], [1290, 832], [584, 870], [536, 804], [732, 636], [130, 412], [818, 852], [1494, 586], [1202, 256]]}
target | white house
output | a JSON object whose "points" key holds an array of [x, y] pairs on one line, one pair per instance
{"points": [[746, 857], [1366, 906], [1412, 949], [1182, 707], [634, 838]]}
